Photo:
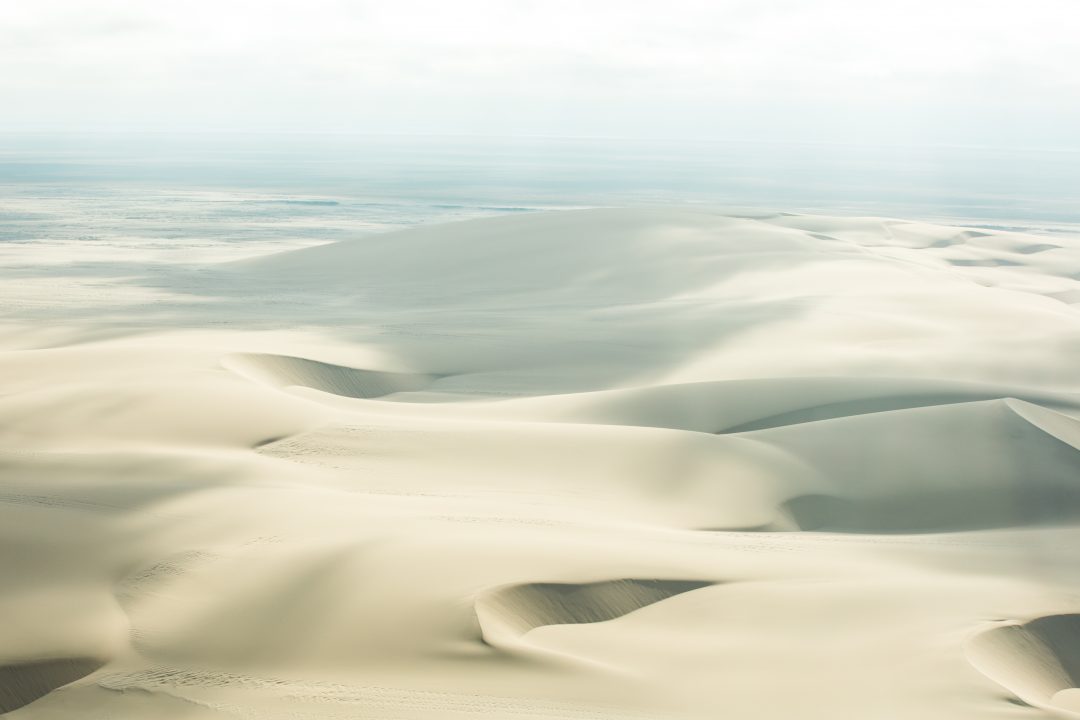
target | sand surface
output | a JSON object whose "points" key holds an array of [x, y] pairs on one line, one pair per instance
{"points": [[650, 463]]}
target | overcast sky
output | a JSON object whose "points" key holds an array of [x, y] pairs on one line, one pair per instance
{"points": [[989, 72]]}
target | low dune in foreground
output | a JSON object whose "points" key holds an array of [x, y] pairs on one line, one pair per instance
{"points": [[650, 463]]}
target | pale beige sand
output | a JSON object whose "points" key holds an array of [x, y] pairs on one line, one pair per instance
{"points": [[653, 463]]}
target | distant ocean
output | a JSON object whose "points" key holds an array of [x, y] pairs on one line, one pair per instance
{"points": [[207, 189]]}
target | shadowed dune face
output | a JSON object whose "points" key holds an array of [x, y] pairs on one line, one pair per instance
{"points": [[1039, 660], [745, 405], [948, 468], [513, 611], [24, 683], [930, 512], [829, 411], [1036, 248], [285, 371]]}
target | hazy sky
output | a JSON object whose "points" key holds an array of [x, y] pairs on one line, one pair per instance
{"points": [[988, 72]]}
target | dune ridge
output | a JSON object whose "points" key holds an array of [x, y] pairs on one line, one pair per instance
{"points": [[734, 406], [286, 371]]}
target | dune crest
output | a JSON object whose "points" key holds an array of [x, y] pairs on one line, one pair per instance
{"points": [[284, 371]]}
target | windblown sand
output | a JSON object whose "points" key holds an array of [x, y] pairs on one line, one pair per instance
{"points": [[652, 463]]}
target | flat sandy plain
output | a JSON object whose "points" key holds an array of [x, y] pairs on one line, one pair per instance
{"points": [[646, 463]]}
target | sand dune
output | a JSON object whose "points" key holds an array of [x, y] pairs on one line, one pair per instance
{"points": [[647, 463], [1038, 660], [285, 371], [514, 611], [960, 466], [733, 406]]}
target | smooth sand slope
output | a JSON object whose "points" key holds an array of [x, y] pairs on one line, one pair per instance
{"points": [[648, 463]]}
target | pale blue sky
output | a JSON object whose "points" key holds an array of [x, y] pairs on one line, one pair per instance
{"points": [[994, 73]]}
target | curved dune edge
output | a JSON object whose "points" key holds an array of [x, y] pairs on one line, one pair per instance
{"points": [[1018, 468], [284, 371], [852, 408], [23, 683], [1038, 661], [747, 405], [507, 613], [1004, 486], [1055, 424]]}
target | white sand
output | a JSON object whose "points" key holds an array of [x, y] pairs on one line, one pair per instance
{"points": [[656, 463]]}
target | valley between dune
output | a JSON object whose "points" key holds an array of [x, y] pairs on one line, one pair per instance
{"points": [[608, 463]]}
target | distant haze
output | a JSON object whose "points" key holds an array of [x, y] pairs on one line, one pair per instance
{"points": [[961, 72]]}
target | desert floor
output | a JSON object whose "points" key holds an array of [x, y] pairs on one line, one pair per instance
{"points": [[646, 463]]}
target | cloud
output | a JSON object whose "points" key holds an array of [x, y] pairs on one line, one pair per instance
{"points": [[715, 68]]}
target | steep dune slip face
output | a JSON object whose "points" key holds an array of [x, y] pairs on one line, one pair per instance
{"points": [[284, 371], [962, 466], [509, 613], [23, 683], [1038, 660], [668, 463]]}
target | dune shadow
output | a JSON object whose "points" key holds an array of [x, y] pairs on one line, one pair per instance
{"points": [[22, 684], [1038, 660], [940, 510], [511, 612]]}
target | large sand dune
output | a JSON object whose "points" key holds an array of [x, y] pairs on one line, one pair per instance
{"points": [[651, 463]]}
